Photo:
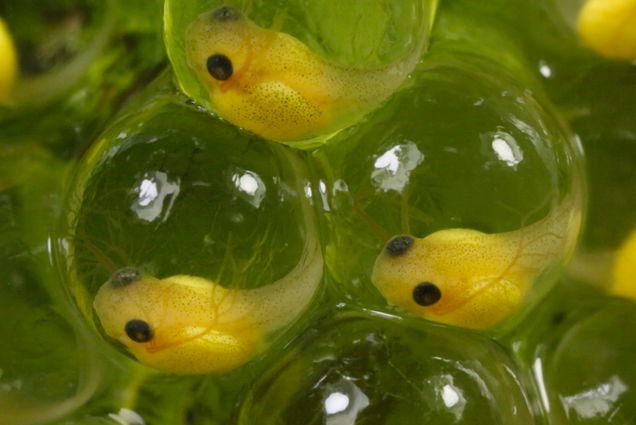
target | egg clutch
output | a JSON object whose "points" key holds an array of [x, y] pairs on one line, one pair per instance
{"points": [[435, 186], [257, 212]]}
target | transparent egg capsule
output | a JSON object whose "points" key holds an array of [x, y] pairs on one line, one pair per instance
{"points": [[187, 243], [589, 372], [604, 94], [49, 364], [295, 71], [365, 368], [455, 202]]}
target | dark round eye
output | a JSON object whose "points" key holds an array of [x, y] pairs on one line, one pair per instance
{"points": [[138, 330], [426, 293], [125, 276], [225, 13], [399, 245], [220, 67]]}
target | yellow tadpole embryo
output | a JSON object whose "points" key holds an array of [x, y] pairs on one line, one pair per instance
{"points": [[468, 278], [271, 84], [8, 63], [609, 27], [624, 269], [191, 325]]}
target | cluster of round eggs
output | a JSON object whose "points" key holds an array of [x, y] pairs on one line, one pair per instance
{"points": [[388, 237], [358, 214]]}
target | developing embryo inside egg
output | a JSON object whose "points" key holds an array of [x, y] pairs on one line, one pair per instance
{"points": [[191, 253]]}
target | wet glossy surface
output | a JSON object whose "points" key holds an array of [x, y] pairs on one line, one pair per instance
{"points": [[365, 368], [506, 164], [470, 146], [189, 202], [283, 77], [48, 367], [585, 385]]}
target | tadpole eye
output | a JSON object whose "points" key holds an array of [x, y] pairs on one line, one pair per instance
{"points": [[399, 245], [426, 293], [220, 67], [138, 330], [225, 13], [125, 276]]}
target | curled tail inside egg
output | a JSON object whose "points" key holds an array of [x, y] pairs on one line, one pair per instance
{"points": [[372, 86], [279, 303], [546, 242]]}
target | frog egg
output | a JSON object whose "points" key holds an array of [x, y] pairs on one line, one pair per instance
{"points": [[463, 148], [607, 136], [326, 34], [50, 366], [363, 367], [170, 210], [593, 386]]}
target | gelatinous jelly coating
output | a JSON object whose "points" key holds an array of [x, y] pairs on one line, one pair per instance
{"points": [[609, 27], [590, 378], [8, 63], [276, 87], [360, 367], [190, 325], [624, 271], [472, 279]]}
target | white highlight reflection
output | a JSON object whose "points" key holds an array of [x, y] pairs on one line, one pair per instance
{"points": [[340, 186], [447, 392], [152, 192], [545, 69], [343, 403], [148, 192], [336, 403], [450, 396], [127, 417], [538, 375], [251, 187], [322, 189], [247, 183], [309, 193], [506, 149], [389, 160], [597, 401], [393, 167]]}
